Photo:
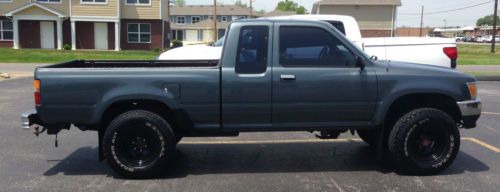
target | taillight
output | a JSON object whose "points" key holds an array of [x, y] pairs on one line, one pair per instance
{"points": [[36, 86], [451, 52]]}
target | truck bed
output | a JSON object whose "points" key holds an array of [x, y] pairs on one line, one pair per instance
{"points": [[134, 64]]}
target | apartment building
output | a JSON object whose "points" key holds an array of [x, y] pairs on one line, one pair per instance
{"points": [[376, 18], [84, 24], [194, 23]]}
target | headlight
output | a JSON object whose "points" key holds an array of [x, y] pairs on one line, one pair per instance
{"points": [[472, 89]]}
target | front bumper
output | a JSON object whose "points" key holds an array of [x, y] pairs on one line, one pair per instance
{"points": [[470, 111]]}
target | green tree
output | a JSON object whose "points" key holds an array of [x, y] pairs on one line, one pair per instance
{"points": [[486, 20], [289, 5], [180, 2], [240, 4], [261, 12]]}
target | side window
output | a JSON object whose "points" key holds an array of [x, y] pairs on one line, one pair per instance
{"points": [[309, 47], [251, 56]]}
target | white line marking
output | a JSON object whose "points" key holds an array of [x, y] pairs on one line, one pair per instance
{"points": [[490, 113]]}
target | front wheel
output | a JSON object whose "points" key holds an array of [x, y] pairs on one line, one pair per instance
{"points": [[137, 144], [424, 141]]}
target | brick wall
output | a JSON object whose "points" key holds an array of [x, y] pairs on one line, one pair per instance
{"points": [[376, 33]]}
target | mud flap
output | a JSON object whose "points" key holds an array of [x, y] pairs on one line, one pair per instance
{"points": [[380, 143], [100, 134]]}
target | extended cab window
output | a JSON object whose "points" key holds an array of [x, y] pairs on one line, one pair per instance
{"points": [[310, 46], [338, 25], [251, 57]]}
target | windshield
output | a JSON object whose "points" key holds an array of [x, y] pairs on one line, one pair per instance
{"points": [[220, 42]]}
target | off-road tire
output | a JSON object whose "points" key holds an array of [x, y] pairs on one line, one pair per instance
{"points": [[156, 135], [409, 141]]}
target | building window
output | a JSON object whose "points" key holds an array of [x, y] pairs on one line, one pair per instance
{"points": [[94, 1], [6, 30], [48, 1], [224, 18], [181, 20], [138, 2], [195, 19], [139, 32]]}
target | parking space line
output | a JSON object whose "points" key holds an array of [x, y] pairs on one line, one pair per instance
{"points": [[483, 144], [490, 113], [470, 139]]}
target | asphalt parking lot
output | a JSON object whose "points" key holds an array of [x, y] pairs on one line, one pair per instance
{"points": [[252, 162]]}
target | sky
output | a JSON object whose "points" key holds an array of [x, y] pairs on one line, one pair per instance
{"points": [[408, 13]]}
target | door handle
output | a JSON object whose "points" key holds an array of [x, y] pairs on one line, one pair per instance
{"points": [[287, 77]]}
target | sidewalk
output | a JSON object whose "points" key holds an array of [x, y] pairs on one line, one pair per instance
{"points": [[479, 68]]}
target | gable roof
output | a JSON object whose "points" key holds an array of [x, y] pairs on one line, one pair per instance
{"points": [[359, 2], [279, 13], [9, 14], [208, 10]]}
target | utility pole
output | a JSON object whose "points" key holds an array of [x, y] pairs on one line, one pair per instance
{"points": [[495, 15], [421, 21], [251, 9], [216, 31], [445, 23]]}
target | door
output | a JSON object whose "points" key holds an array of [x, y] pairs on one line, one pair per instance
{"points": [[26, 30], [47, 35], [246, 78], [101, 36], [191, 35], [316, 83]]}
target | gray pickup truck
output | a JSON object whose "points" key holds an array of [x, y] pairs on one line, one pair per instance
{"points": [[274, 75]]}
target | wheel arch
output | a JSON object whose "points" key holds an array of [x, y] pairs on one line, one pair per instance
{"points": [[398, 106]]}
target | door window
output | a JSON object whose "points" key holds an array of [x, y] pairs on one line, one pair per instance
{"points": [[251, 57], [312, 47]]}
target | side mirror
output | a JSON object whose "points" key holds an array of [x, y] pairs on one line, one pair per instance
{"points": [[360, 63]]}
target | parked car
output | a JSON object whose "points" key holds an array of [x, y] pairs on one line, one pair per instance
{"points": [[479, 39], [487, 39], [275, 75], [469, 39], [460, 37], [433, 51]]}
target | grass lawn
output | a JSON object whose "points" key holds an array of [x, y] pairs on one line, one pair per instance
{"points": [[467, 55], [8, 55], [478, 55]]}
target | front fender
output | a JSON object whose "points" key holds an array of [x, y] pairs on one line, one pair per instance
{"points": [[390, 91]]}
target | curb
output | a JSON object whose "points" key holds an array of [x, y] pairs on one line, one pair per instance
{"points": [[488, 78], [4, 75]]}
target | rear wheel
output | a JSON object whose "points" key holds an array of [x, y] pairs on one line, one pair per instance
{"points": [[137, 144], [424, 141]]}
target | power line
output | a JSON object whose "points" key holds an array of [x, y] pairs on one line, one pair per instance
{"points": [[454, 5], [447, 11]]}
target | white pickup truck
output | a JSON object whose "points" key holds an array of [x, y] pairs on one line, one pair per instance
{"points": [[433, 51]]}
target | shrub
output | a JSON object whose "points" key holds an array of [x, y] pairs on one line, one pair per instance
{"points": [[157, 50], [67, 47], [176, 43]]}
